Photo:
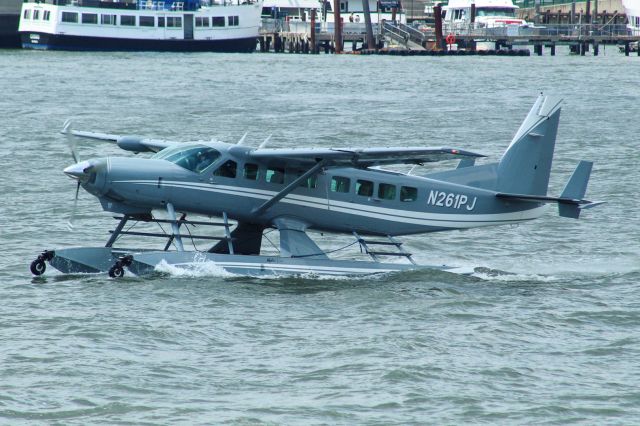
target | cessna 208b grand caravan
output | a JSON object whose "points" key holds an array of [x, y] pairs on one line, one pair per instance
{"points": [[339, 190]]}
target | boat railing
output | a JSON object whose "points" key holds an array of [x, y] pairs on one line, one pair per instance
{"points": [[166, 5], [557, 30]]}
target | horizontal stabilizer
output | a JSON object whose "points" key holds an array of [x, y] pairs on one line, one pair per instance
{"points": [[570, 202]]}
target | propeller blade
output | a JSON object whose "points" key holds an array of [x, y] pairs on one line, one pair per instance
{"points": [[66, 130], [70, 224]]}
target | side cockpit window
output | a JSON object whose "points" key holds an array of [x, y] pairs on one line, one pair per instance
{"points": [[228, 169]]}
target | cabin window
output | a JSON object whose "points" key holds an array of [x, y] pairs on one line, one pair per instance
{"points": [[108, 19], [386, 191], [250, 171], [202, 21], [174, 22], [364, 188], [310, 182], [344, 6], [36, 14], [340, 184], [217, 21], [128, 20], [408, 193], [228, 169], [161, 21], [147, 21], [275, 175], [47, 15], [89, 18], [27, 14], [69, 17], [234, 21]]}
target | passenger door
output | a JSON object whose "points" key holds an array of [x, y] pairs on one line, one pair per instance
{"points": [[188, 26]]}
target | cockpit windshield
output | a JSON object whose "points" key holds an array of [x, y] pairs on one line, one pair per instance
{"points": [[195, 158]]}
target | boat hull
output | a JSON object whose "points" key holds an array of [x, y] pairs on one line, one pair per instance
{"points": [[45, 41]]}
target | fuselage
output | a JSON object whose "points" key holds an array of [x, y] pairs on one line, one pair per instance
{"points": [[368, 201]]}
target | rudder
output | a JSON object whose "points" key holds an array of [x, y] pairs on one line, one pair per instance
{"points": [[525, 166]]}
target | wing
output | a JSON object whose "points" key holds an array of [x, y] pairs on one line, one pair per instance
{"points": [[126, 142], [359, 157]]}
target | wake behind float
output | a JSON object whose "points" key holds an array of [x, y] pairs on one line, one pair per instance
{"points": [[335, 190]]}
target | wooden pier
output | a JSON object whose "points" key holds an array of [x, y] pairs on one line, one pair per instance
{"points": [[405, 40]]}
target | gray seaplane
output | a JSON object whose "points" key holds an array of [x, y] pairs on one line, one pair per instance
{"points": [[293, 191]]}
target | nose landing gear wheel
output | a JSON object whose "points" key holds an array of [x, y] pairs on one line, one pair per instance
{"points": [[116, 271], [38, 267]]}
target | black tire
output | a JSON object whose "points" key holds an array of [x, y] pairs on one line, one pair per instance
{"points": [[38, 267], [116, 271]]}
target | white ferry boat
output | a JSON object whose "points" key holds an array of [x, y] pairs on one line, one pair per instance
{"points": [[632, 10], [188, 25], [489, 14]]}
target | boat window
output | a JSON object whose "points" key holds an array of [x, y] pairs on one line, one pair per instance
{"points": [[69, 17], [387, 191], [202, 21], [108, 19], [228, 169], [147, 21], [364, 188], [174, 22], [250, 171], [275, 175], [343, 6], [408, 193], [36, 14], [234, 21], [161, 21], [495, 11], [340, 184], [89, 18], [128, 20], [217, 21], [194, 158], [47, 15], [27, 14]]}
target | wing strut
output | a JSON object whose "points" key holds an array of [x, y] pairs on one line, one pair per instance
{"points": [[293, 185]]}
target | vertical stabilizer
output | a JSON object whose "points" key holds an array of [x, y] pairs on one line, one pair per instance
{"points": [[526, 165]]}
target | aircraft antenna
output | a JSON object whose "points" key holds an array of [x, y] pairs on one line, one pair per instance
{"points": [[241, 141], [263, 144]]}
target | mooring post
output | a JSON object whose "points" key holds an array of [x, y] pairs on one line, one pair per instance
{"points": [[472, 43], [596, 48], [537, 49], [437, 16], [553, 49], [313, 31], [337, 26], [626, 48]]}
